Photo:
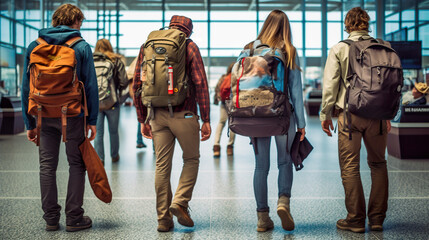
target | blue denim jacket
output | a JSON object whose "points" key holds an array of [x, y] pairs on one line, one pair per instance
{"points": [[85, 71], [295, 94]]}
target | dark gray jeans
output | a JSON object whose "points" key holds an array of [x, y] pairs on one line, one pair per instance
{"points": [[50, 139]]}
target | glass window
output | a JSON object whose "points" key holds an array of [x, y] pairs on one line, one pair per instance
{"points": [[199, 35], [423, 14], [313, 35], [139, 15], [411, 34], [334, 33], [424, 37], [334, 16], [292, 15], [231, 35], [296, 30], [226, 53], [313, 16], [5, 30], [408, 15], [194, 15], [230, 15], [19, 35], [134, 39], [32, 35], [392, 27], [392, 17], [313, 53]]}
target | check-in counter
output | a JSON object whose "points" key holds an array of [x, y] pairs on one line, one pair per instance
{"points": [[12, 121], [409, 136], [312, 102]]}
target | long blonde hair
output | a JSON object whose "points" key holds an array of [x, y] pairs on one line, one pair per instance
{"points": [[276, 32], [103, 45]]}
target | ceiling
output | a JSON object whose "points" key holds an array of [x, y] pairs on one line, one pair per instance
{"points": [[215, 5]]}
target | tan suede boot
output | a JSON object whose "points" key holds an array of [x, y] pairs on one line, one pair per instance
{"points": [[264, 222], [283, 210]]}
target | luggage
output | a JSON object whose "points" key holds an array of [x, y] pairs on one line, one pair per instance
{"points": [[55, 90], [375, 77], [104, 69], [225, 88], [163, 70], [259, 104]]}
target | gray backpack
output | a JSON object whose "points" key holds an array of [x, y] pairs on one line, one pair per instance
{"points": [[104, 69], [375, 77]]}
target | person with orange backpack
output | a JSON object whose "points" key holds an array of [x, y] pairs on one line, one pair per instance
{"points": [[222, 93], [60, 90]]}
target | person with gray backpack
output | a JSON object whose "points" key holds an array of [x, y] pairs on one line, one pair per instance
{"points": [[111, 78], [265, 75], [362, 87], [169, 81]]}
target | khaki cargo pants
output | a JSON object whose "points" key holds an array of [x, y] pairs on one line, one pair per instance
{"points": [[184, 127], [349, 156]]}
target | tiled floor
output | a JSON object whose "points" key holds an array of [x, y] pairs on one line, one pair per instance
{"points": [[223, 205]]}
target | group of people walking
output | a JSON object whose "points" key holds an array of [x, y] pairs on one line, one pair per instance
{"points": [[165, 125]]}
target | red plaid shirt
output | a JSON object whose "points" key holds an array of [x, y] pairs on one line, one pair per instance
{"points": [[197, 82]]}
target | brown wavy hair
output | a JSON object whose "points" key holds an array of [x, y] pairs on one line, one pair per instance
{"points": [[67, 14], [103, 45], [356, 19]]}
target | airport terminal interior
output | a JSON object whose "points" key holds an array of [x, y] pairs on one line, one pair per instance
{"points": [[223, 204]]}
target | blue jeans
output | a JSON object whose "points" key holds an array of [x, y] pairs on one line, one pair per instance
{"points": [[113, 122], [262, 167], [139, 133]]}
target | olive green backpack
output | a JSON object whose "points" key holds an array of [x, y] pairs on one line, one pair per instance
{"points": [[164, 70]]}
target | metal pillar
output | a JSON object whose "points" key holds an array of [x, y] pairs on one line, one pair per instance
{"points": [[163, 13], [324, 32], [257, 17], [380, 18], [117, 26], [208, 39], [304, 59], [42, 14]]}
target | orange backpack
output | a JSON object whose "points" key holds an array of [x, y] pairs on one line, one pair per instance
{"points": [[55, 91], [225, 88]]}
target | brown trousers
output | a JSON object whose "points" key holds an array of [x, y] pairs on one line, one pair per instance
{"points": [[184, 127], [349, 156]]}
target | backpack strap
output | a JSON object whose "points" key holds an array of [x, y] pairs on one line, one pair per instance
{"points": [[72, 41], [64, 122], [41, 41], [39, 123], [347, 41]]}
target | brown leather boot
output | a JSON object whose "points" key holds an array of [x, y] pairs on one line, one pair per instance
{"points": [[216, 151], [182, 214], [230, 150], [264, 222]]}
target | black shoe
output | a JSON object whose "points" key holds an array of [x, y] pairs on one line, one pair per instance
{"points": [[54, 227], [141, 145], [85, 223]]}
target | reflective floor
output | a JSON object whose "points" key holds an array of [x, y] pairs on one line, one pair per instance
{"points": [[223, 205]]}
